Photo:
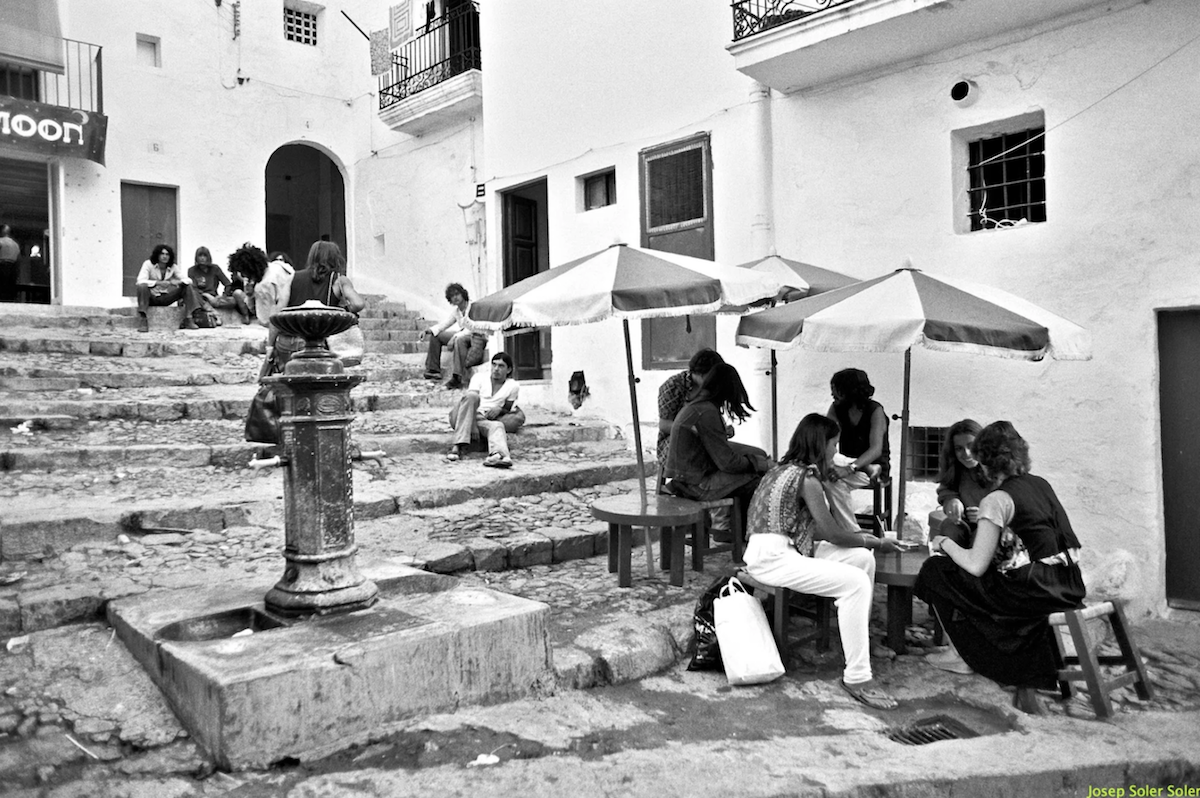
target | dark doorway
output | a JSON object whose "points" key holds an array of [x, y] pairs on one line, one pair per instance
{"points": [[306, 201], [25, 207], [1179, 385], [526, 230], [149, 217]]}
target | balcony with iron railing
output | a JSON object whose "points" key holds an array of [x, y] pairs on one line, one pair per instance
{"points": [[793, 45], [435, 78], [80, 86]]}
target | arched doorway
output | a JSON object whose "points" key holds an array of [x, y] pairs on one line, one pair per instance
{"points": [[306, 201]]}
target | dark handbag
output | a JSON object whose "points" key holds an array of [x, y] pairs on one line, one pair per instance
{"points": [[262, 422]]}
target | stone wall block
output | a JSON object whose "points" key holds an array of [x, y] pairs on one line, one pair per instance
{"points": [[488, 555], [529, 548], [569, 544]]}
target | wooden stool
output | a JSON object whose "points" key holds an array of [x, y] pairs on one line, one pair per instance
{"points": [[819, 614], [1088, 662], [737, 529]]}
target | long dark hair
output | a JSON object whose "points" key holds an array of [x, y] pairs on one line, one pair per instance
{"points": [[854, 388], [724, 388], [948, 465], [158, 250], [324, 259], [1002, 450], [812, 436]]}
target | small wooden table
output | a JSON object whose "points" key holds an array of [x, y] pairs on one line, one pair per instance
{"points": [[671, 514], [898, 570]]}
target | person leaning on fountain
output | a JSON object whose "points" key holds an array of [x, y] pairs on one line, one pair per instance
{"points": [[489, 406], [161, 282]]}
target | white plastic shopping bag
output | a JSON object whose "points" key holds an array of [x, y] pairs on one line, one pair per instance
{"points": [[747, 647]]}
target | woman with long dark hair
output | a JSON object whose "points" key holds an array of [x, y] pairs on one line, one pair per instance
{"points": [[795, 542], [322, 279], [702, 463], [961, 484], [993, 598]]}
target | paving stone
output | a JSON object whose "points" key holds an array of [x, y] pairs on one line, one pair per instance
{"points": [[49, 607], [529, 548], [487, 555], [569, 544], [629, 649]]}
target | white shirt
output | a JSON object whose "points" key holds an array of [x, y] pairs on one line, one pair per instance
{"points": [[455, 322], [151, 273], [271, 295], [482, 382]]}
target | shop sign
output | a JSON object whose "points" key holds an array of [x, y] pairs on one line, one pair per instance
{"points": [[52, 129]]}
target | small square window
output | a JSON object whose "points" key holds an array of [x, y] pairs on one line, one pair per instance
{"points": [[1006, 177], [149, 51], [300, 26], [600, 190], [924, 446]]}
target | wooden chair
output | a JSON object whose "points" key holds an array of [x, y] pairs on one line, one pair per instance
{"points": [[880, 517], [817, 609], [1084, 664]]}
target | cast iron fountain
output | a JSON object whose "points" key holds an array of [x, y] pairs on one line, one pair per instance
{"points": [[320, 575]]}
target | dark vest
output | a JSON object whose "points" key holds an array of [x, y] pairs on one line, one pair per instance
{"points": [[856, 438], [1039, 519], [304, 289]]}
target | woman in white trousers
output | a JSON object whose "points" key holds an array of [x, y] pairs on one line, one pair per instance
{"points": [[796, 543]]}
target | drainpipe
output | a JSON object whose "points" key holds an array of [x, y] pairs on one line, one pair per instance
{"points": [[760, 164]]}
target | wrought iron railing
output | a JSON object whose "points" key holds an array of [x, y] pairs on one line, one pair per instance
{"points": [[446, 47], [755, 16], [80, 86]]}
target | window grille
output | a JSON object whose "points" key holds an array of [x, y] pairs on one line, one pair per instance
{"points": [[924, 446], [1007, 179], [299, 26], [600, 190], [675, 188]]}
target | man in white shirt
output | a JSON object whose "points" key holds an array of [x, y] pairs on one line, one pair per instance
{"points": [[162, 281], [489, 406], [469, 346]]}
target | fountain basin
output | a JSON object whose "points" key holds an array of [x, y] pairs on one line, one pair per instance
{"points": [[307, 688]]}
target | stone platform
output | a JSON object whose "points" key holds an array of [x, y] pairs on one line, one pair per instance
{"points": [[292, 690]]}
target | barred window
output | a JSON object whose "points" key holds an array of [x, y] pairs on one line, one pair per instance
{"points": [[1007, 179], [675, 187], [299, 26], [924, 445]]}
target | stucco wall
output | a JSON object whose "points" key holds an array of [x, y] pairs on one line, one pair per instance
{"points": [[863, 179]]}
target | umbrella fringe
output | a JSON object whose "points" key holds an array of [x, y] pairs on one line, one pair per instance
{"points": [[650, 313], [937, 346]]}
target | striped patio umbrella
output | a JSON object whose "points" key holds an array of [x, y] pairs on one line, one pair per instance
{"points": [[622, 282], [910, 308], [797, 280]]}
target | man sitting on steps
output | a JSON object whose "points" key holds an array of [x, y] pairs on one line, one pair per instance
{"points": [[469, 346], [161, 282], [489, 406]]}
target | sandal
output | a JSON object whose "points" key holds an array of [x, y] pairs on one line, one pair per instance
{"points": [[456, 453], [869, 694], [497, 460]]}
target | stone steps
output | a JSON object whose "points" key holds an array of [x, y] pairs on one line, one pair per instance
{"points": [[48, 513], [220, 443]]}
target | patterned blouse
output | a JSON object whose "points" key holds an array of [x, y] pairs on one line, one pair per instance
{"points": [[672, 396], [778, 505]]}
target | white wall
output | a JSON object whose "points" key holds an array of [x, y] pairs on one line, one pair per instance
{"points": [[870, 184], [192, 125], [862, 179], [586, 90]]}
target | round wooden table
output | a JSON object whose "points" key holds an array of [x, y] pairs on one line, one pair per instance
{"points": [[898, 570], [671, 514]]}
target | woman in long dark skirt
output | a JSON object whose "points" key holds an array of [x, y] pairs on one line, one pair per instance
{"points": [[993, 598]]}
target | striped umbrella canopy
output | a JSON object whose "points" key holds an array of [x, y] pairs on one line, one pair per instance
{"points": [[797, 278], [621, 282], [908, 308]]}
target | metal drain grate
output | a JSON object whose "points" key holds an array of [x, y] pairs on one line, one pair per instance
{"points": [[930, 730]]}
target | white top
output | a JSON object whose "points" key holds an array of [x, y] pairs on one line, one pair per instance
{"points": [[151, 273], [271, 295], [482, 382], [454, 322]]}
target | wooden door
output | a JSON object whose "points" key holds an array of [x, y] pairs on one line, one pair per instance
{"points": [[522, 259], [149, 217], [1179, 385]]}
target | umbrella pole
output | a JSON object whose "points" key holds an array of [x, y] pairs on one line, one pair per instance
{"points": [[774, 411], [904, 443], [637, 442]]}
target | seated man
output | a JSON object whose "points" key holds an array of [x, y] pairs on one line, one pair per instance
{"points": [[209, 279], [489, 406], [468, 347], [161, 282]]}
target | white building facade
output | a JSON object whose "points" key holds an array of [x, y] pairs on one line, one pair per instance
{"points": [[843, 139]]}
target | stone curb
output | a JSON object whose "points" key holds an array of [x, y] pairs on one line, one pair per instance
{"points": [[64, 380], [207, 348]]}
